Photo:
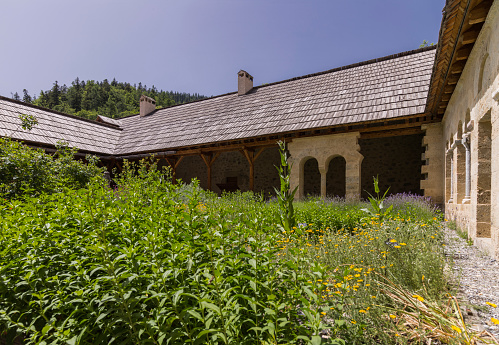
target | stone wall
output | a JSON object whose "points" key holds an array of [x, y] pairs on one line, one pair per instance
{"points": [[395, 160], [432, 172], [473, 110], [234, 164], [324, 149]]}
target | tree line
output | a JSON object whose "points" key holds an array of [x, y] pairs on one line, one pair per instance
{"points": [[112, 99]]}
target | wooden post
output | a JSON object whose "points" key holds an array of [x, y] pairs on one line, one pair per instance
{"points": [[174, 162], [209, 159], [251, 158]]}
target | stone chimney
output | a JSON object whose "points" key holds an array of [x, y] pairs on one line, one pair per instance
{"points": [[244, 82], [147, 105]]}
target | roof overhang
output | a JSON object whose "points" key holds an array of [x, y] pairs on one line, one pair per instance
{"points": [[462, 22]]}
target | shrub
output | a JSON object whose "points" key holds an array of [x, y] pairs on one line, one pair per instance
{"points": [[147, 266], [30, 171]]}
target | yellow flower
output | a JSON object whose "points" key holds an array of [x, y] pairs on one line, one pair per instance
{"points": [[393, 240], [392, 316], [457, 329], [353, 321], [323, 313], [402, 244], [492, 304], [397, 247], [496, 321], [362, 311], [421, 299]]}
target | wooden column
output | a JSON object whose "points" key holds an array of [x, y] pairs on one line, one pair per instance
{"points": [[118, 164], [174, 162], [209, 159], [251, 157]]}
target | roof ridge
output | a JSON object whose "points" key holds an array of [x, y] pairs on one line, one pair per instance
{"points": [[58, 112], [336, 69]]}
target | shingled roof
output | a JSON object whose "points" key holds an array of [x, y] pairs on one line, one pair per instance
{"points": [[53, 126], [375, 90], [385, 88]]}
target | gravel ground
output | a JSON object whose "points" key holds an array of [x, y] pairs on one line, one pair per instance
{"points": [[477, 280]]}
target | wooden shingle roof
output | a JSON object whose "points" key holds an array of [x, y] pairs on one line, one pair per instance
{"points": [[86, 135], [381, 89], [378, 90]]}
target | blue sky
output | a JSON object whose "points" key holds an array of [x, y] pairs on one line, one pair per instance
{"points": [[200, 45]]}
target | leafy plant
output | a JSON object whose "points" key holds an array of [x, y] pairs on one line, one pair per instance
{"points": [[285, 196], [30, 171], [377, 207]]}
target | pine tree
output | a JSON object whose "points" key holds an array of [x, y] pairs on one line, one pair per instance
{"points": [[27, 98]]}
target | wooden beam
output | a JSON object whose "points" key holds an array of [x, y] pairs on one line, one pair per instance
{"points": [[174, 162], [250, 157], [446, 97], [178, 161], [393, 133], [449, 89], [479, 13], [453, 79], [458, 67], [208, 172], [464, 52], [393, 127], [471, 34], [258, 153], [209, 159]]}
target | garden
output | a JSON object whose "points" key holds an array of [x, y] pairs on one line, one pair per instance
{"points": [[152, 262]]}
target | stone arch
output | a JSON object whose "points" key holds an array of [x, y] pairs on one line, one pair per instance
{"points": [[311, 176], [484, 177], [336, 176], [460, 155], [467, 119]]}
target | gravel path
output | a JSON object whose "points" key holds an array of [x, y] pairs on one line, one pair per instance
{"points": [[478, 277]]}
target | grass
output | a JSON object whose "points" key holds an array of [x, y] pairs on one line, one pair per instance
{"points": [[156, 263], [460, 232]]}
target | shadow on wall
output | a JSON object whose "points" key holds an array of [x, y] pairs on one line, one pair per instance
{"points": [[395, 160]]}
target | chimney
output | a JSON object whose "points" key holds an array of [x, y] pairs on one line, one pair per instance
{"points": [[244, 82], [147, 105]]}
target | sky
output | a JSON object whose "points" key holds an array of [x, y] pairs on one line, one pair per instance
{"points": [[198, 46]]}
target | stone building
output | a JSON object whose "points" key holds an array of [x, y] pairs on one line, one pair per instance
{"points": [[424, 121]]}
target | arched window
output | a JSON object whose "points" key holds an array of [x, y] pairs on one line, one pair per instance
{"points": [[336, 177], [311, 178]]}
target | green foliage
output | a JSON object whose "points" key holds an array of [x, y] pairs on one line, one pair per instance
{"points": [[28, 121], [285, 196], [378, 209], [25, 170], [140, 266], [91, 98], [152, 262], [426, 44]]}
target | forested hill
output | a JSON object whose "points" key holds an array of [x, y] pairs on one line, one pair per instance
{"points": [[113, 99]]}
